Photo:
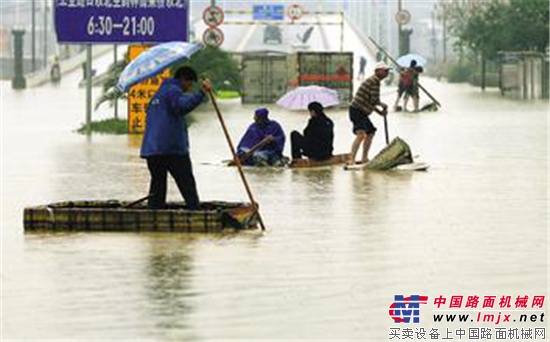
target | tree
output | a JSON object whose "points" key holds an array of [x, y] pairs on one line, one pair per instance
{"points": [[213, 63], [108, 94], [492, 26], [527, 25], [218, 66]]}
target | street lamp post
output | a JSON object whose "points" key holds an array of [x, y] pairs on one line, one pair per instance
{"points": [[18, 81]]}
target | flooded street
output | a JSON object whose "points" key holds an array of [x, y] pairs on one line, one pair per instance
{"points": [[338, 244]]}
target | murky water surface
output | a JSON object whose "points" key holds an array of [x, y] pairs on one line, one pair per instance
{"points": [[339, 244]]}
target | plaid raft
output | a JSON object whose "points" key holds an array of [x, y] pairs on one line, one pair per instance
{"points": [[113, 216]]}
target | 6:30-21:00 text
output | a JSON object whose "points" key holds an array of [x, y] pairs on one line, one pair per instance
{"points": [[130, 26]]}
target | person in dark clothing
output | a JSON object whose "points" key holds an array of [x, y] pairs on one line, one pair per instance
{"points": [[362, 65], [165, 143], [263, 142], [55, 71], [316, 142], [407, 86]]}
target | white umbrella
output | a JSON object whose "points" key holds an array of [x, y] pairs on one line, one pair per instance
{"points": [[300, 97]]}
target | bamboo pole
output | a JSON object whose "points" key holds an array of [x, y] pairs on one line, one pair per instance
{"points": [[386, 129], [236, 159]]}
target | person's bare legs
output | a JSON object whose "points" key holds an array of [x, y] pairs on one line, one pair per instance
{"points": [[366, 147], [405, 102], [397, 101], [415, 103], [359, 137]]}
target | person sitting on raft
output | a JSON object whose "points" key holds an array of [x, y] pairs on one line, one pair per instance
{"points": [[317, 140], [263, 142]]}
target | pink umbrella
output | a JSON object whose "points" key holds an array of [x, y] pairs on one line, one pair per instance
{"points": [[300, 97]]}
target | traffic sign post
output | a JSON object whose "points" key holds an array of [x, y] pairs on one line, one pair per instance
{"points": [[213, 16], [121, 21], [213, 37], [403, 17]]}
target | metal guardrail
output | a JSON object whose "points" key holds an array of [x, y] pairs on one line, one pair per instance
{"points": [[278, 23], [229, 11]]}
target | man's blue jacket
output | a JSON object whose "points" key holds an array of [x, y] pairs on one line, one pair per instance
{"points": [[165, 126]]}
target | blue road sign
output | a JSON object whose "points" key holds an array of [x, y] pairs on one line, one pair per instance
{"points": [[121, 21], [268, 12]]}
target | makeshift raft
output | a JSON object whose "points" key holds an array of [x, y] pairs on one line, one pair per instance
{"points": [[397, 152], [212, 217], [302, 163], [394, 155], [308, 163]]}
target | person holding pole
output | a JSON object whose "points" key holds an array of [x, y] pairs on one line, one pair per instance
{"points": [[365, 101], [406, 86], [263, 142], [165, 144]]}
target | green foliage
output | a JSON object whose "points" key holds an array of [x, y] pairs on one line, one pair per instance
{"points": [[218, 66], [227, 94], [457, 73], [491, 26], [530, 19], [213, 63], [108, 126], [117, 126], [109, 94], [114, 72]]}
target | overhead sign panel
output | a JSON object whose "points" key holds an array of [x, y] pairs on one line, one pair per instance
{"points": [[121, 21], [268, 12]]}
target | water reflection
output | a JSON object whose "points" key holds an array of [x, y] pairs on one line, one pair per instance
{"points": [[168, 287]]}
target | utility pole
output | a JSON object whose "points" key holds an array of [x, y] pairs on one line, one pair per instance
{"points": [[444, 33], [18, 81], [341, 31], [116, 62], [399, 31], [434, 39], [89, 89], [45, 33], [33, 34]]}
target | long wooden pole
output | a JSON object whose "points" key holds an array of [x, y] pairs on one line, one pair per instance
{"points": [[386, 129], [243, 157], [395, 62], [236, 159]]}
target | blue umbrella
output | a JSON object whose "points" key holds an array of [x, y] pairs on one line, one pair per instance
{"points": [[153, 61], [405, 60]]}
